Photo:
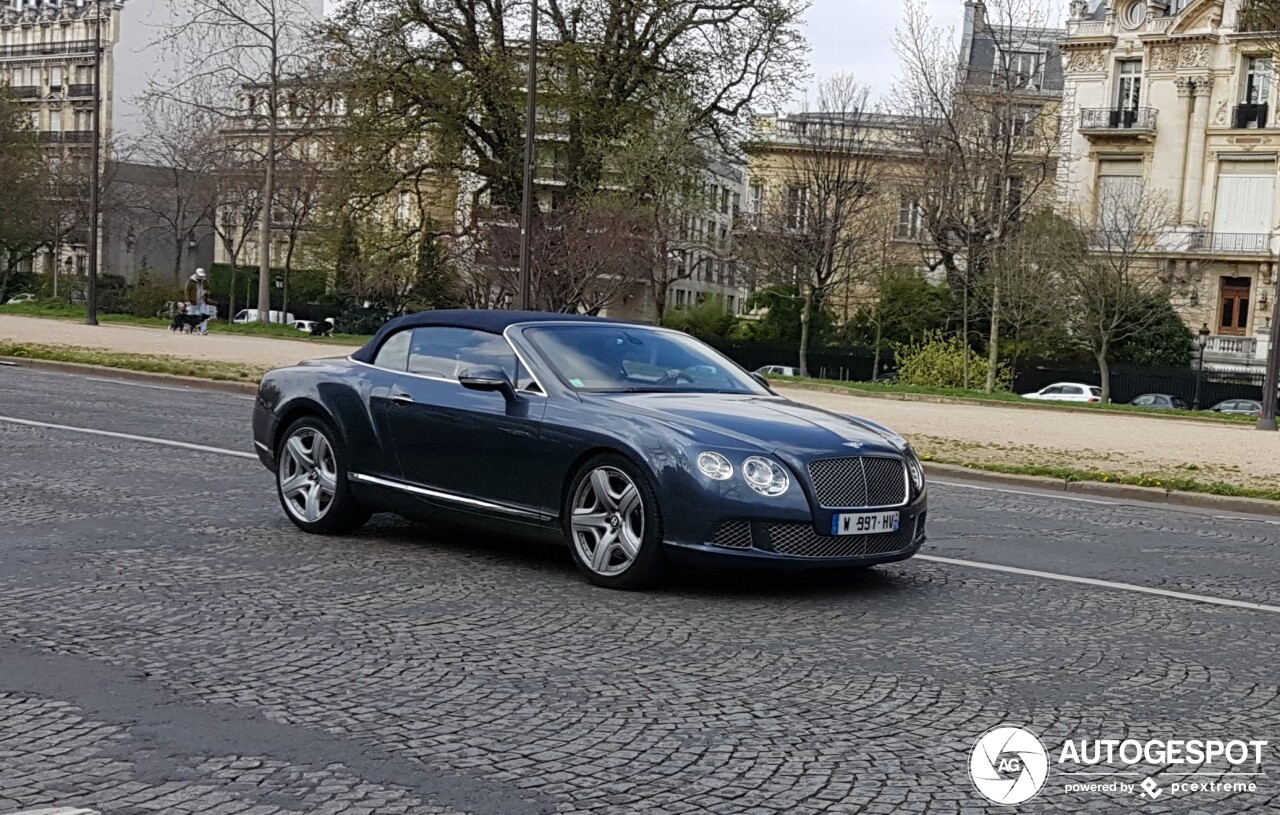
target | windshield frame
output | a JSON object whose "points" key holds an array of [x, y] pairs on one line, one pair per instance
{"points": [[732, 370]]}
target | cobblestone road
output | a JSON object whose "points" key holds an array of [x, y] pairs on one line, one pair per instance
{"points": [[170, 644]]}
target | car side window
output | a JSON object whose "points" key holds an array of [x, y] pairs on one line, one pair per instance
{"points": [[1051, 390], [394, 353], [1072, 390], [448, 352], [1144, 400]]}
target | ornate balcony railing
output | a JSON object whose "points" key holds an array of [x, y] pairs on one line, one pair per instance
{"points": [[1241, 243], [39, 49], [1118, 119], [1246, 347], [1246, 117], [78, 136], [24, 91], [80, 91]]}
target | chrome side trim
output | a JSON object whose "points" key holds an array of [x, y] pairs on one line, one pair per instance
{"points": [[264, 448], [443, 496]]}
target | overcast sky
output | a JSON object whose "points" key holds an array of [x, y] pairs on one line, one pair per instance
{"points": [[856, 36]]}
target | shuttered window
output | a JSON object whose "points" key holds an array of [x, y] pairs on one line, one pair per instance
{"points": [[1246, 194]]}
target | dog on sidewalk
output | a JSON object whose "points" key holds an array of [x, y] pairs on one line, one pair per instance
{"points": [[184, 322]]}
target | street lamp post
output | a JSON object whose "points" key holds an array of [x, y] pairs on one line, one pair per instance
{"points": [[91, 296], [1202, 340], [530, 131], [1267, 421]]}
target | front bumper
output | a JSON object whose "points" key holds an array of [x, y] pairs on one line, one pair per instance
{"points": [[790, 541], [264, 433]]}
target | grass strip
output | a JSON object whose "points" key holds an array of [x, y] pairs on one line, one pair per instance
{"points": [[178, 366]]}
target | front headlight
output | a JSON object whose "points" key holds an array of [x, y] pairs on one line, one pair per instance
{"points": [[715, 466], [765, 477], [916, 469]]}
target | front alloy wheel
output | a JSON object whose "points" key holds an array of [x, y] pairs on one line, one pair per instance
{"points": [[312, 482], [614, 529]]}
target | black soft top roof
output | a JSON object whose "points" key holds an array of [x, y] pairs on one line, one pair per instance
{"points": [[493, 321]]}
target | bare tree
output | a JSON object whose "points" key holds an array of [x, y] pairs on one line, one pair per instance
{"points": [[985, 138], [182, 142], [669, 175], [814, 232], [258, 51], [1108, 273], [238, 208], [299, 198]]}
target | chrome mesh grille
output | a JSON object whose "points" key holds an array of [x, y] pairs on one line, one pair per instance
{"points": [[800, 540], [733, 534], [858, 482]]}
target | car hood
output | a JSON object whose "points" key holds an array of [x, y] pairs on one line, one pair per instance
{"points": [[768, 422]]}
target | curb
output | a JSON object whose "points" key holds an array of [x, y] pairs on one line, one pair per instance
{"points": [[1101, 489], [149, 377], [995, 403]]}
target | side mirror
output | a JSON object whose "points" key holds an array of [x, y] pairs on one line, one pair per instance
{"points": [[488, 379], [762, 381]]}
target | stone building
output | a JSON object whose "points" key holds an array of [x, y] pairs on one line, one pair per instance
{"points": [[1174, 102]]}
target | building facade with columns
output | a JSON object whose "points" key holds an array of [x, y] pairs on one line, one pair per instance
{"points": [[1173, 104]]}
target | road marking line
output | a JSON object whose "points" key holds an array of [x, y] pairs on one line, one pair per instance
{"points": [[137, 384], [130, 437], [1044, 494], [1105, 584]]}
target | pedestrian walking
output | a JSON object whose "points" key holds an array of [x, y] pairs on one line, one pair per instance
{"points": [[198, 296]]}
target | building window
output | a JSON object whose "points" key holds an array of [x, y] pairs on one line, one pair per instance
{"points": [[1257, 81], [797, 207], [1233, 312], [1136, 14], [910, 221], [755, 199], [403, 210], [1129, 84], [724, 201], [1119, 200], [1025, 71]]}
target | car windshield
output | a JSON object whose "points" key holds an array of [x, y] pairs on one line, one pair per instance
{"points": [[627, 359]]}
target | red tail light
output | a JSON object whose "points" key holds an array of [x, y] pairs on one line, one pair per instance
{"points": [[1094, 399]]}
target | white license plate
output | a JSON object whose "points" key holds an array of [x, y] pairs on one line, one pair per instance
{"points": [[864, 523]]}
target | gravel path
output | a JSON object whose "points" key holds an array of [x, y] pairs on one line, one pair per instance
{"points": [[1133, 445], [162, 342]]}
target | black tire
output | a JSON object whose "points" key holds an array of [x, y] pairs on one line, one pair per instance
{"points": [[341, 513], [648, 565]]}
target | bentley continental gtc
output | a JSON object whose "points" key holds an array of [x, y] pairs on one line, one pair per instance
{"points": [[639, 447]]}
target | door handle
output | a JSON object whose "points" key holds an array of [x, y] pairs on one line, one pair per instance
{"points": [[401, 398]]}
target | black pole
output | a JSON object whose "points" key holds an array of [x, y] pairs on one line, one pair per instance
{"points": [[1267, 421], [1195, 404], [530, 131], [95, 156]]}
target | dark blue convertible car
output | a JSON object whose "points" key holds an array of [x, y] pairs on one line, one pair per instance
{"points": [[636, 445]]}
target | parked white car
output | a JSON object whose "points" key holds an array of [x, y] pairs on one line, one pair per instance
{"points": [[303, 325], [1067, 392], [778, 370], [250, 315], [25, 297]]}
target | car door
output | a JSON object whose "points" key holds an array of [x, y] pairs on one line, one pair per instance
{"points": [[466, 445], [1050, 393], [1071, 393]]}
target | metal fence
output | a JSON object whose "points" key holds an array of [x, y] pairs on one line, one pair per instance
{"points": [[1127, 381]]}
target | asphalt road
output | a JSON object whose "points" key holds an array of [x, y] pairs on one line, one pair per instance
{"points": [[170, 643]]}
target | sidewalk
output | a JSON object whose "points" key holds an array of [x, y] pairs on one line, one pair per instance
{"points": [[989, 434]]}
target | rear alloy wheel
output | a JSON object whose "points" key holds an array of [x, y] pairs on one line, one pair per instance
{"points": [[311, 480], [613, 525]]}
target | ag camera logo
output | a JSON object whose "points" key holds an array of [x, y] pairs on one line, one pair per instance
{"points": [[1008, 765]]}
